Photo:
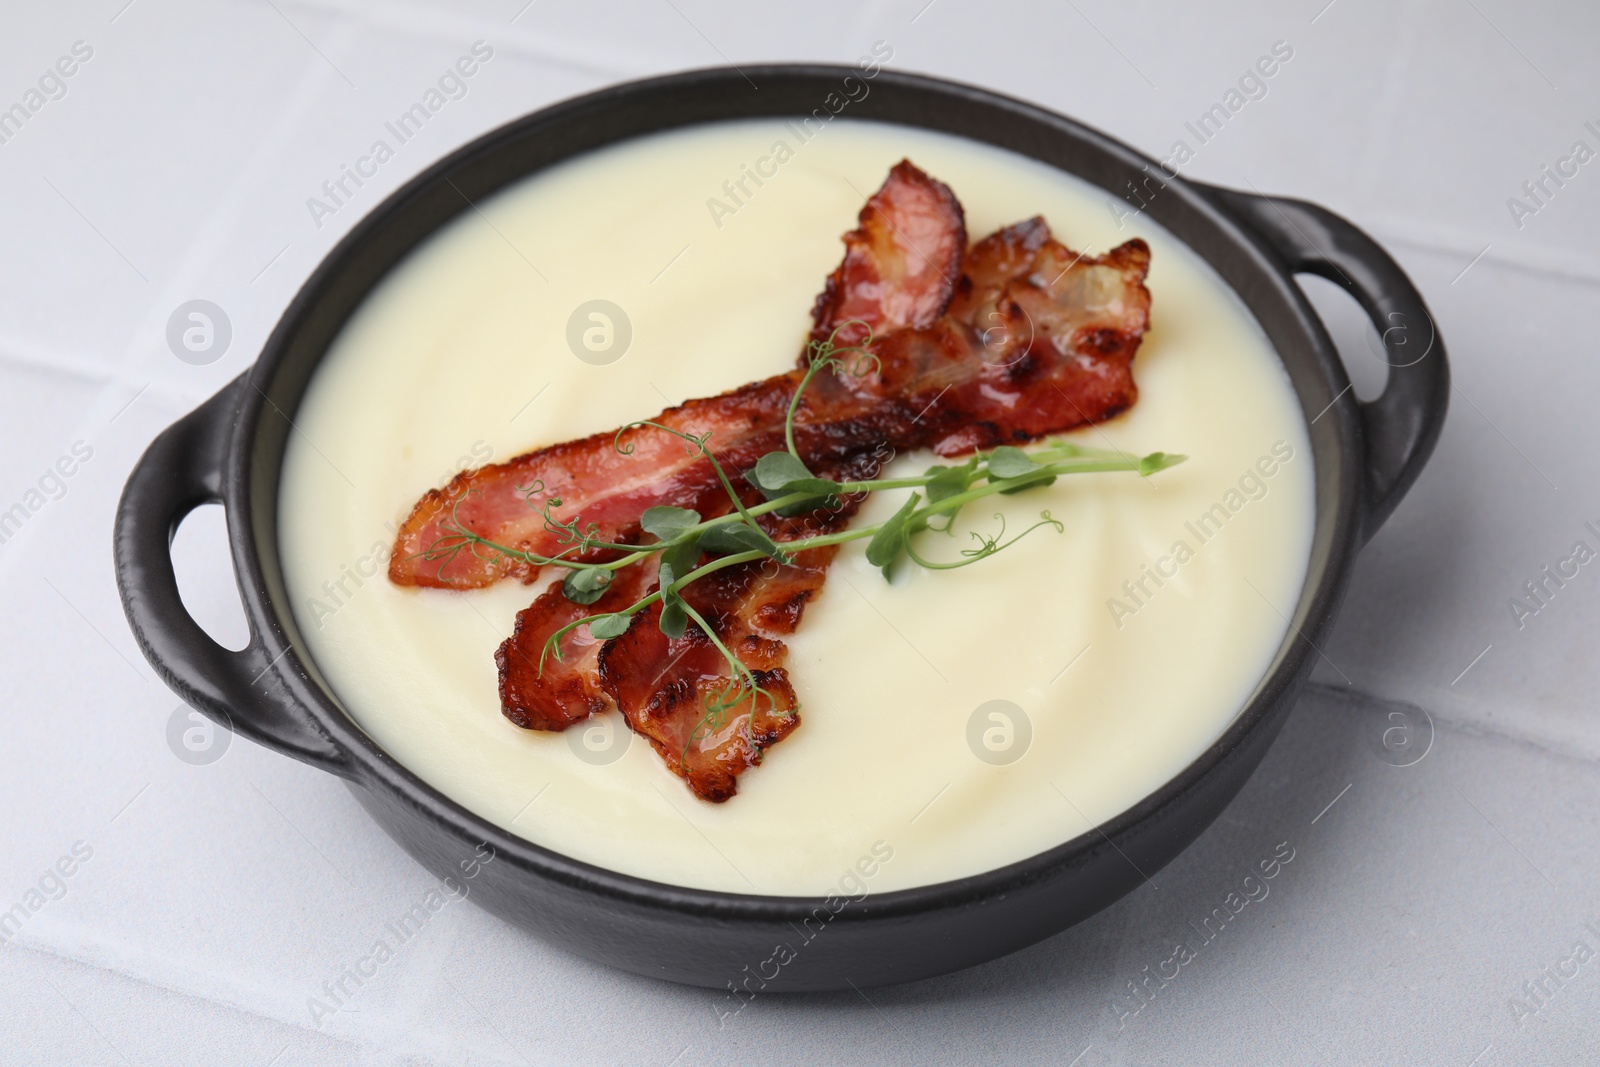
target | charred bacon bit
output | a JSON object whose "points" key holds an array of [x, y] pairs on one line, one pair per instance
{"points": [[994, 262], [668, 689], [991, 265], [1060, 357], [1095, 307], [546, 692], [670, 708], [900, 264]]}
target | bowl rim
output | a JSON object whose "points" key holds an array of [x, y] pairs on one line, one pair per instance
{"points": [[373, 768]]}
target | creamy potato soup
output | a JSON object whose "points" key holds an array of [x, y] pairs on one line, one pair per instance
{"points": [[952, 721]]}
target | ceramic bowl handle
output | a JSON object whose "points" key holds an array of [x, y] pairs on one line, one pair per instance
{"points": [[1402, 425], [181, 471]]}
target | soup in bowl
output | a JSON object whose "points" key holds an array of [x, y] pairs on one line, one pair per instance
{"points": [[975, 756]]}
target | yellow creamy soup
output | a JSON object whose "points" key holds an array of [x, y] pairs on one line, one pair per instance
{"points": [[953, 721]]}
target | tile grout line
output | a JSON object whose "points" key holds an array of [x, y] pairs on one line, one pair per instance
{"points": [[1344, 694]]}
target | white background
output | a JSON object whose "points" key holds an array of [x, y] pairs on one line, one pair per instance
{"points": [[218, 898]]}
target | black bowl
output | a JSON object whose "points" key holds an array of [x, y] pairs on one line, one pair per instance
{"points": [[230, 450]]}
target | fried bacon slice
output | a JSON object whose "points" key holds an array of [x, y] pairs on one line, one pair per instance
{"points": [[605, 481], [668, 688], [748, 605]]}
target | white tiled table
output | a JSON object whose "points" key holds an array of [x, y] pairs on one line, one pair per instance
{"points": [[216, 899]]}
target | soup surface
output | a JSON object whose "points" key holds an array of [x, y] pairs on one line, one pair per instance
{"points": [[953, 720]]}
